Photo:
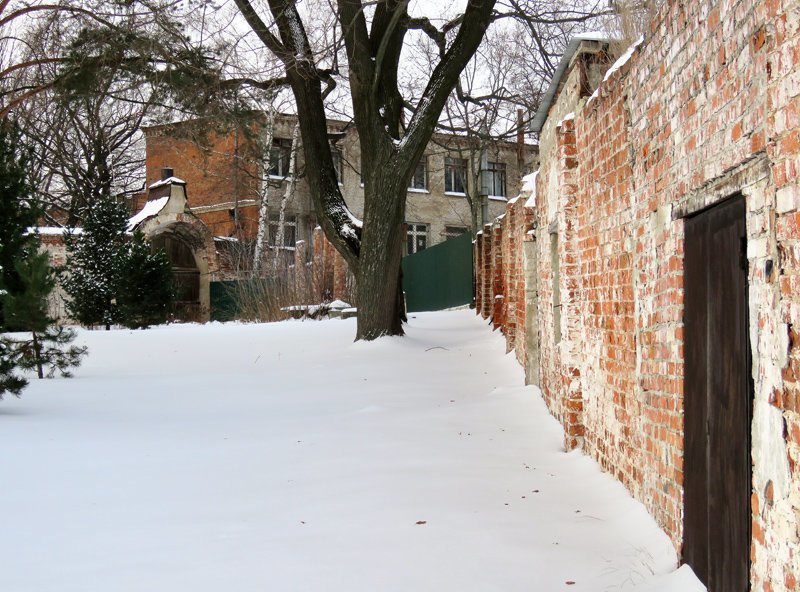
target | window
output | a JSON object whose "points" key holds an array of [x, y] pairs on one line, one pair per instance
{"points": [[279, 156], [419, 181], [455, 171], [289, 230], [453, 231], [336, 153], [495, 178], [416, 238]]}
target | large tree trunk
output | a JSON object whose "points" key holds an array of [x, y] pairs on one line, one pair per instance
{"points": [[380, 303], [389, 151]]}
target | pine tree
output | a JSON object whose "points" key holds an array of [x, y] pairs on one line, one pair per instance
{"points": [[26, 279], [27, 310], [95, 257], [18, 210], [112, 278], [145, 293], [9, 382]]}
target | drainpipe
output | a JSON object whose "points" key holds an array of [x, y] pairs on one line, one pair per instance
{"points": [[484, 187]]}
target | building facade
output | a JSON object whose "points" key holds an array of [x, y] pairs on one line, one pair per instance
{"points": [[227, 184]]}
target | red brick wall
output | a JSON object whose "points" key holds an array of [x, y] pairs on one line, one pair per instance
{"points": [[212, 174], [707, 107]]}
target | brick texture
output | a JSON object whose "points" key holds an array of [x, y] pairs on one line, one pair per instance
{"points": [[707, 107]]}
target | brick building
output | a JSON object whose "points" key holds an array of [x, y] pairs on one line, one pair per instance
{"points": [[648, 277], [225, 180]]}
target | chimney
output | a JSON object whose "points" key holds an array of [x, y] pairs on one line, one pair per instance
{"points": [[166, 173]]}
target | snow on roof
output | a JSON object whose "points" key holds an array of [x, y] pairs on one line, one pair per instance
{"points": [[621, 61], [167, 181], [151, 208], [513, 200]]}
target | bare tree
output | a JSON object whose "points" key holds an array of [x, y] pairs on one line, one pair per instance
{"points": [[394, 126], [390, 151], [264, 149]]}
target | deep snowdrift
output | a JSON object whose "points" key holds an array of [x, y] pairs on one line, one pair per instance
{"points": [[285, 457]]}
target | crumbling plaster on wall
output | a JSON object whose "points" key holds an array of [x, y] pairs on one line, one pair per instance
{"points": [[705, 109]]}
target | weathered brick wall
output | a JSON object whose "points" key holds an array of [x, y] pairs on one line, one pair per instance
{"points": [[330, 272], [707, 107], [217, 179], [500, 287]]}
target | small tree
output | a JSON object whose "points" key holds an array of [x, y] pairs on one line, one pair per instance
{"points": [[111, 278], [95, 253], [146, 293], [9, 382], [17, 214], [18, 211], [27, 309]]}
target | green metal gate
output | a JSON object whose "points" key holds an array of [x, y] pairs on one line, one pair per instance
{"points": [[439, 277]]}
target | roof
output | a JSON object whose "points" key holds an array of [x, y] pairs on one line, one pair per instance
{"points": [[547, 100], [150, 209]]}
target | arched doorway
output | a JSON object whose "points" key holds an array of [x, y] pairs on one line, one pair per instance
{"points": [[185, 273]]}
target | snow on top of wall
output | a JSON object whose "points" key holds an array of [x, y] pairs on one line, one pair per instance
{"points": [[229, 239], [592, 36], [568, 117], [151, 208], [529, 181], [621, 61], [339, 304], [168, 181], [512, 201], [529, 186], [53, 230]]}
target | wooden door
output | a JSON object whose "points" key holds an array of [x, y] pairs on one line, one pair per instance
{"points": [[717, 399]]}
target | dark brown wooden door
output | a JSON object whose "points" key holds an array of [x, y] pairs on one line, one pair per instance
{"points": [[717, 399]]}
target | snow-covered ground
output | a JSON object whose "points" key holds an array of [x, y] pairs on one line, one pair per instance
{"points": [[285, 457]]}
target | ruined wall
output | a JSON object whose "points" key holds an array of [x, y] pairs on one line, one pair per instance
{"points": [[500, 288], [707, 107]]}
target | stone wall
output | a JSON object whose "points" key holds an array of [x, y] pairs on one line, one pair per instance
{"points": [[705, 108]]}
